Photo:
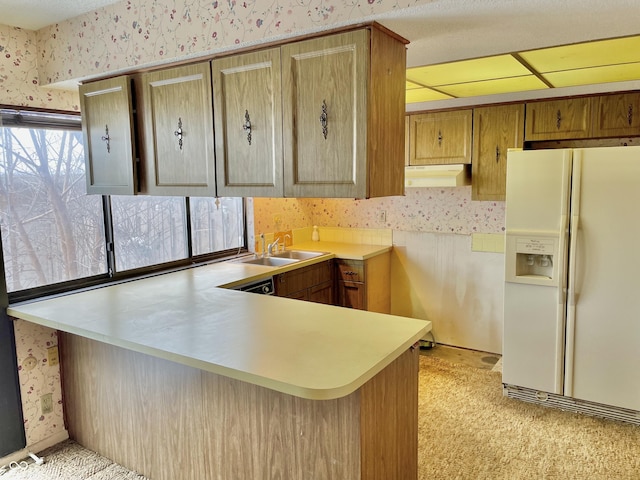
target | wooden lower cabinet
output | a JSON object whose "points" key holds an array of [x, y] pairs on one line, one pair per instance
{"points": [[313, 283], [169, 421], [364, 284], [352, 295]]}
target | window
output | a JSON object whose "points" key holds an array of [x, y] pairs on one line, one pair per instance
{"points": [[51, 231], [55, 237], [148, 231]]}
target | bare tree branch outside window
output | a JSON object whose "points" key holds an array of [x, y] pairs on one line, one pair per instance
{"points": [[52, 230]]}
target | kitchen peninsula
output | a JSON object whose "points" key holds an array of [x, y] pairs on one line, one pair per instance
{"points": [[175, 377]]}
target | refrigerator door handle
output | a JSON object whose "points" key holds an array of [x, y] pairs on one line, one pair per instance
{"points": [[573, 253], [562, 301]]}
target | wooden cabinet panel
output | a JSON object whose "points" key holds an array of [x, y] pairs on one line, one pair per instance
{"points": [[248, 124], [307, 283], [177, 127], [352, 295], [617, 115], [558, 119], [350, 270], [321, 80], [342, 117], [495, 129], [107, 124], [364, 284], [322, 293], [437, 138]]}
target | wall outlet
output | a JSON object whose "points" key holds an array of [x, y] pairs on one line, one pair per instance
{"points": [[46, 403], [382, 216], [52, 356]]}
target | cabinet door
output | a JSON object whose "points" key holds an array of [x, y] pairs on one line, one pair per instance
{"points": [[438, 138], [324, 87], [248, 124], [558, 119], [178, 131], [495, 129], [352, 295], [617, 115], [322, 293], [107, 125]]}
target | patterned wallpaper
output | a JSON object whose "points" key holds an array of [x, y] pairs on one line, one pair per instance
{"points": [[19, 84], [37, 378], [438, 210], [133, 33]]}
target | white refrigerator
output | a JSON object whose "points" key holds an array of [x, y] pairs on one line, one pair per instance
{"points": [[572, 279]]}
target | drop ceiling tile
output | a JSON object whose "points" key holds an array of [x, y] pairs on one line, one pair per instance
{"points": [[424, 95], [581, 55], [589, 76], [492, 87], [500, 66]]}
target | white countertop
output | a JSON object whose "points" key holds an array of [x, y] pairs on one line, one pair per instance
{"points": [[300, 348]]}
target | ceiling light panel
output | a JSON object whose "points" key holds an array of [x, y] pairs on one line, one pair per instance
{"points": [[501, 66], [496, 86], [412, 86], [424, 95], [589, 76], [582, 55]]}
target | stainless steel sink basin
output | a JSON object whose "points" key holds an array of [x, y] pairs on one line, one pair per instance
{"points": [[298, 254], [271, 261]]}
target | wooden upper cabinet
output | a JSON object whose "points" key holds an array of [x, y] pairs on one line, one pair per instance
{"points": [[558, 119], [177, 131], [248, 124], [107, 124], [438, 138], [495, 129], [343, 115], [616, 115]]}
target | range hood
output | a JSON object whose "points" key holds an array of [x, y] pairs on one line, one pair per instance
{"points": [[437, 176]]}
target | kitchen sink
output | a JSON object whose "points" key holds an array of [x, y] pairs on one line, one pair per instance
{"points": [[298, 254], [271, 261]]}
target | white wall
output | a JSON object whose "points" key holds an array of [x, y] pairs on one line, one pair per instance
{"points": [[437, 277]]}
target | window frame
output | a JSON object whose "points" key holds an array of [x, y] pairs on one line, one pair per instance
{"points": [[33, 118]]}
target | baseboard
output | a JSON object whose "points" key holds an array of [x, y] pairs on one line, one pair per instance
{"points": [[35, 448]]}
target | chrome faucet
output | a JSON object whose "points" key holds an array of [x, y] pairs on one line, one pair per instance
{"points": [[275, 244], [271, 245]]}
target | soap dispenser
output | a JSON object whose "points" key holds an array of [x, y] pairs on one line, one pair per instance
{"points": [[315, 236]]}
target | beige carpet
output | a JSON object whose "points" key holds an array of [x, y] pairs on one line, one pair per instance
{"points": [[70, 461], [468, 430]]}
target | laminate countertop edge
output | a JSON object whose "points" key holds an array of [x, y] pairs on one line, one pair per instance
{"points": [[304, 349]]}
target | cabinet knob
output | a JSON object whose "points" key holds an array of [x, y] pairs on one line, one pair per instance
{"points": [[558, 119], [497, 154], [106, 138], [178, 133], [324, 119], [246, 126], [439, 138], [630, 115]]}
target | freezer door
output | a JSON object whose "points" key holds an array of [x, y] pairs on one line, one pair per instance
{"points": [[603, 323], [537, 207]]}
